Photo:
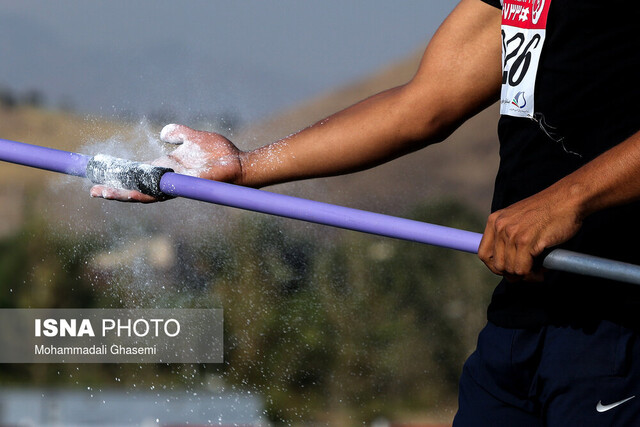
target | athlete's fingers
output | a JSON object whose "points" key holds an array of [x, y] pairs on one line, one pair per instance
{"points": [[178, 134], [499, 254], [104, 192], [520, 264], [486, 250], [523, 246]]}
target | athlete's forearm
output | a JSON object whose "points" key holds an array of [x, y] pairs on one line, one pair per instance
{"points": [[371, 132], [611, 179], [459, 75]]}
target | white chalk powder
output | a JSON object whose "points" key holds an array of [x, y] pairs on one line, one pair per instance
{"points": [[166, 134]]}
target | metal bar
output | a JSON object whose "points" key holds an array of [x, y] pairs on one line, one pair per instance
{"points": [[588, 265], [174, 184]]}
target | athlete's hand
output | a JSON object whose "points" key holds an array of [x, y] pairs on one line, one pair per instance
{"points": [[516, 235], [202, 154]]}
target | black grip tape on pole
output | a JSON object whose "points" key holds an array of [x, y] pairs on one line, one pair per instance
{"points": [[126, 174]]}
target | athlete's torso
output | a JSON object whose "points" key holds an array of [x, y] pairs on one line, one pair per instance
{"points": [[569, 93]]}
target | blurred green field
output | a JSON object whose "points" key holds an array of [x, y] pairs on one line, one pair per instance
{"points": [[341, 331]]}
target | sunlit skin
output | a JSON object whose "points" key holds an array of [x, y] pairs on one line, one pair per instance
{"points": [[459, 75]]}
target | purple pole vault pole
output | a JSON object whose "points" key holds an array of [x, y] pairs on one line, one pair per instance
{"points": [[322, 213], [43, 158], [158, 180]]}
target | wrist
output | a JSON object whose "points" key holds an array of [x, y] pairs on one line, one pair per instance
{"points": [[576, 197], [244, 175], [252, 169]]}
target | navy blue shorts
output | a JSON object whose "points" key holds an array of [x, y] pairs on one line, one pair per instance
{"points": [[553, 376]]}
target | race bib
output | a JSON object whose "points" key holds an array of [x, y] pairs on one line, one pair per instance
{"points": [[524, 24]]}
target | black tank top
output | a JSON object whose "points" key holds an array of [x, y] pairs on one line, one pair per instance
{"points": [[570, 92]]}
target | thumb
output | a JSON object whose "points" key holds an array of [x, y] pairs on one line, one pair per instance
{"points": [[177, 134]]}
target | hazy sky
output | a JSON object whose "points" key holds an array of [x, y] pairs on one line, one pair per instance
{"points": [[203, 57]]}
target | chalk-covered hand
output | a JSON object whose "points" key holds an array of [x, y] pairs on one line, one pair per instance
{"points": [[516, 235], [202, 154]]}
